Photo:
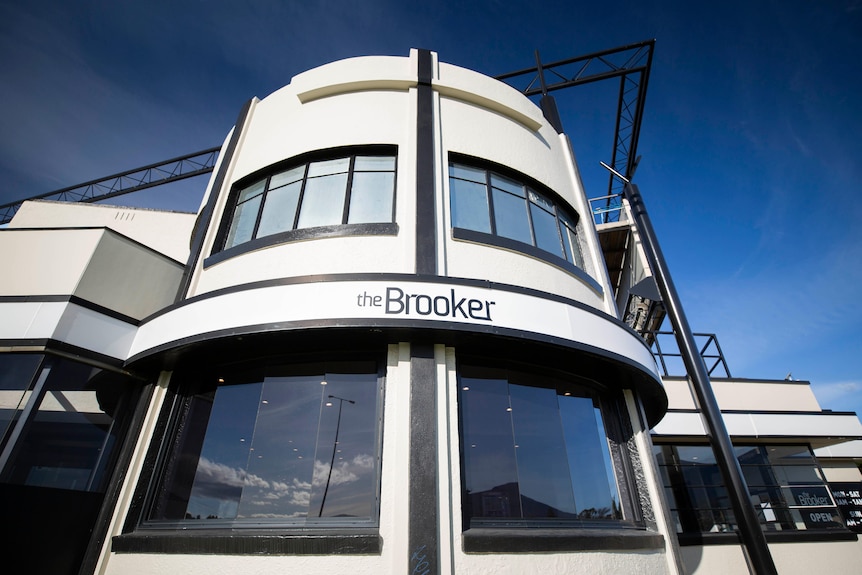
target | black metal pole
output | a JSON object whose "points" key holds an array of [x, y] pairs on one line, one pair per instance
{"points": [[341, 401], [756, 550]]}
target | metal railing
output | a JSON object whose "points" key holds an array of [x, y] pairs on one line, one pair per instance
{"points": [[669, 358]]}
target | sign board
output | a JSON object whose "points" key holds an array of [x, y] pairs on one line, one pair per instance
{"points": [[848, 497]]}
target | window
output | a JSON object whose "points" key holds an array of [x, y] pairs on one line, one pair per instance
{"points": [[64, 423], [282, 445], [65, 437], [785, 483], [357, 188], [535, 451], [497, 209]]}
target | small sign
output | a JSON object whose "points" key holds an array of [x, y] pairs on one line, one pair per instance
{"points": [[848, 497]]}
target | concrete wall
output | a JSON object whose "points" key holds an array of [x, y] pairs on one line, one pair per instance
{"points": [[166, 232]]}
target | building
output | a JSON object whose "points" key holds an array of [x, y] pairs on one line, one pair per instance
{"points": [[393, 343]]}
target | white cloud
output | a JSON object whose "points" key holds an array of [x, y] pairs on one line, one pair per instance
{"points": [[221, 474]]}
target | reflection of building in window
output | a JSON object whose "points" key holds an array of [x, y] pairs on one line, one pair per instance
{"points": [[67, 438], [349, 189], [536, 449], [274, 446], [785, 483], [509, 211]]}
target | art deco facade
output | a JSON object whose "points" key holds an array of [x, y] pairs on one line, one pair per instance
{"points": [[393, 346]]}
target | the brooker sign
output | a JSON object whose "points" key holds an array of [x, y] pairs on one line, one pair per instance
{"points": [[396, 301], [387, 301]]}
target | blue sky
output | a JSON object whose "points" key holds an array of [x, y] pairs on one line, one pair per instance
{"points": [[750, 143]]}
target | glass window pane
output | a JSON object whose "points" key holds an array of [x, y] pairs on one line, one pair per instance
{"points": [[790, 454], [541, 201], [323, 201], [374, 164], [510, 216], [543, 471], [467, 173], [371, 197], [328, 167], [288, 177], [697, 454], [17, 371], [242, 226], [589, 460], [546, 232], [288, 449], [470, 206], [70, 439], [251, 191], [507, 185], [490, 468], [279, 210], [221, 470]]}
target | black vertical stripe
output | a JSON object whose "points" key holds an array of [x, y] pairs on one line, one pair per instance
{"points": [[426, 231], [423, 522], [205, 217]]}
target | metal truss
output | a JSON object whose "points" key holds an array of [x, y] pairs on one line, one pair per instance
{"points": [[670, 358], [157, 174], [631, 64]]}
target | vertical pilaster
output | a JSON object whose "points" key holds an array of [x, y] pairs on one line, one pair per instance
{"points": [[426, 231], [423, 523]]}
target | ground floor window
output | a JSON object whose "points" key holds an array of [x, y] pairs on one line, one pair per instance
{"points": [[62, 420], [785, 484], [536, 450], [265, 445]]}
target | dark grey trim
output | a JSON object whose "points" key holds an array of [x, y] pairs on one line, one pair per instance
{"points": [[426, 228], [112, 493], [525, 540], [303, 234], [516, 246], [767, 412], [423, 523], [803, 536], [79, 301], [202, 225], [343, 542]]}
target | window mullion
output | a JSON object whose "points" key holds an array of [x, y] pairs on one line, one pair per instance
{"points": [[530, 216], [301, 197], [350, 168], [263, 196], [490, 191]]}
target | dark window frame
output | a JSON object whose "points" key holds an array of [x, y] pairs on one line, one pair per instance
{"points": [[672, 475], [221, 251], [529, 535], [561, 206], [140, 535]]}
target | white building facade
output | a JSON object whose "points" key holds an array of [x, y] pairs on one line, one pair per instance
{"points": [[392, 346]]}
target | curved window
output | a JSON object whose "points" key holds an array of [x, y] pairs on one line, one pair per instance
{"points": [[535, 451], [490, 207], [292, 445], [356, 188]]}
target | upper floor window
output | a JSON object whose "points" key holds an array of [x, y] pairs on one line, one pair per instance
{"points": [[257, 445], [511, 210], [347, 188], [536, 451]]}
